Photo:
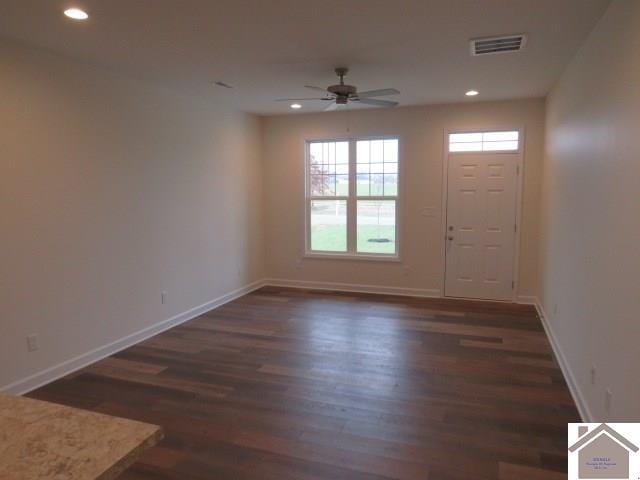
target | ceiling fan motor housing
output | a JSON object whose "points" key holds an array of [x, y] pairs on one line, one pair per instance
{"points": [[342, 92]]}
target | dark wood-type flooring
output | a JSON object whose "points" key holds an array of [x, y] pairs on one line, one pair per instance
{"points": [[290, 384]]}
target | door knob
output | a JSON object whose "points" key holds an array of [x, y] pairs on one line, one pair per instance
{"points": [[450, 238]]}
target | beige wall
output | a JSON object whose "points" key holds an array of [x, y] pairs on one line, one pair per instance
{"points": [[421, 132], [112, 191], [590, 254]]}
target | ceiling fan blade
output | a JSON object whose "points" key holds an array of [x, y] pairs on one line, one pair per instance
{"points": [[332, 106], [299, 99], [378, 93], [316, 88], [379, 103]]}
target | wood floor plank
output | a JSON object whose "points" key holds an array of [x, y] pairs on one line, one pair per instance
{"points": [[293, 384], [521, 472]]}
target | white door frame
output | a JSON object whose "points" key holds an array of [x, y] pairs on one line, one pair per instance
{"points": [[519, 200]]}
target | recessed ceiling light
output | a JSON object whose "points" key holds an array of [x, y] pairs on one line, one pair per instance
{"points": [[76, 14], [472, 93], [296, 106]]}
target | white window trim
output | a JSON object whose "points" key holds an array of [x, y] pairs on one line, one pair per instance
{"points": [[352, 199]]}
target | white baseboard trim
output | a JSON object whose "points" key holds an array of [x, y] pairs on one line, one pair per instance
{"points": [[352, 287], [526, 300], [69, 366], [576, 393]]}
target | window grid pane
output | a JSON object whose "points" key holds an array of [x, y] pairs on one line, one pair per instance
{"points": [[377, 151], [342, 185], [377, 185], [390, 185], [363, 182], [498, 146], [484, 141], [329, 225], [378, 159], [377, 167], [391, 151], [499, 136], [377, 226], [329, 169]]}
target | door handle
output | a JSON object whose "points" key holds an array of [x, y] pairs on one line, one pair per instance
{"points": [[449, 238]]}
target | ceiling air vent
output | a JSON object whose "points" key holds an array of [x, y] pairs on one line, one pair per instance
{"points": [[489, 46]]}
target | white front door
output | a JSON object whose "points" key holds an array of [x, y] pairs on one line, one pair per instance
{"points": [[481, 225]]}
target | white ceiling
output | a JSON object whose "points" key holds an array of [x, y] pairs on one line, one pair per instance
{"points": [[269, 49]]}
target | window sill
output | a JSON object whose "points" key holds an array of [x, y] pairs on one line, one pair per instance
{"points": [[349, 256]]}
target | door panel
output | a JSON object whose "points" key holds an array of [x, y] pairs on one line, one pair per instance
{"points": [[481, 216]]}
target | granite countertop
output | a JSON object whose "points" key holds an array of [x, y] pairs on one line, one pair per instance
{"points": [[41, 440]]}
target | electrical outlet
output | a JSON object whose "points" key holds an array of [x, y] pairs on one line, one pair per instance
{"points": [[608, 400], [163, 298], [593, 374], [32, 343]]}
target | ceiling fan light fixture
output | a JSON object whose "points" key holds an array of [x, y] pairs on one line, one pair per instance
{"points": [[296, 106]]}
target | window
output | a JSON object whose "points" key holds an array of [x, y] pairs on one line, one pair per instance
{"points": [[499, 141], [352, 197]]}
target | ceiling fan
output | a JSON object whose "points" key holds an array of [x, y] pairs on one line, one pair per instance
{"points": [[342, 94]]}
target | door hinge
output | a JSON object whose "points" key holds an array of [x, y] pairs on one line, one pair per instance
{"points": [[513, 284], [517, 169], [515, 228]]}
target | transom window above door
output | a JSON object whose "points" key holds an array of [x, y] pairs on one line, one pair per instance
{"points": [[494, 141], [352, 198]]}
